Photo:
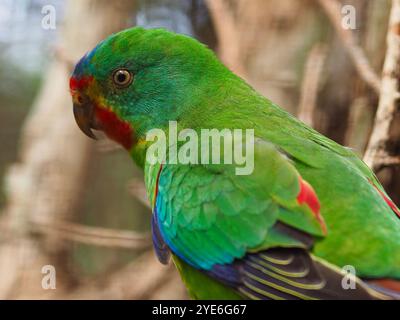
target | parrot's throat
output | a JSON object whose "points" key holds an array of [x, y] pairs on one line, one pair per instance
{"points": [[115, 128]]}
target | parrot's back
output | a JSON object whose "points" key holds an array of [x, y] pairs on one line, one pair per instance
{"points": [[362, 222]]}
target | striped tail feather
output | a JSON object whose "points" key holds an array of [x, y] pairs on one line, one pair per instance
{"points": [[388, 287], [291, 273]]}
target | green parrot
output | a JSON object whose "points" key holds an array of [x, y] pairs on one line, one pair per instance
{"points": [[309, 211]]}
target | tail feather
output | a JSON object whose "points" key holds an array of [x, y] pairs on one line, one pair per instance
{"points": [[387, 287], [292, 273]]}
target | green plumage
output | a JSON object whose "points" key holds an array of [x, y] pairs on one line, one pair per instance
{"points": [[208, 215]]}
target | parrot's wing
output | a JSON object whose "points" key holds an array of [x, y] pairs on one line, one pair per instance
{"points": [[209, 215], [301, 147], [250, 232]]}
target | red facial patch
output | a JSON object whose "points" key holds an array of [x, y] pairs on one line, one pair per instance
{"points": [[79, 84], [308, 196], [115, 128], [387, 200]]}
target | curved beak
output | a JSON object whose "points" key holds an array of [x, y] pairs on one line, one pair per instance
{"points": [[84, 117]]}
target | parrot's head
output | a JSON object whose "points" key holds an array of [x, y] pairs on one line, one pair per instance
{"points": [[139, 79]]}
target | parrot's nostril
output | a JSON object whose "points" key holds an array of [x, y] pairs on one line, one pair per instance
{"points": [[80, 99]]}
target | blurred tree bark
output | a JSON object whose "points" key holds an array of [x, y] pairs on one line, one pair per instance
{"points": [[383, 151], [363, 107], [383, 148], [46, 184], [266, 42], [145, 278]]}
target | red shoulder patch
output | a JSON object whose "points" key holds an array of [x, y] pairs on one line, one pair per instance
{"points": [[308, 196], [389, 201], [390, 284]]}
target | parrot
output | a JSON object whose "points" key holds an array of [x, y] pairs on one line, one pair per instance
{"points": [[310, 222]]}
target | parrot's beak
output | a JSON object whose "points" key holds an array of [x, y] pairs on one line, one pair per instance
{"points": [[84, 117]]}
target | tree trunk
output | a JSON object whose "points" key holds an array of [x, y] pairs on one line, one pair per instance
{"points": [[46, 185]]}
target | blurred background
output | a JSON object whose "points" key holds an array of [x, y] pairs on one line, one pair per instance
{"points": [[79, 206]]}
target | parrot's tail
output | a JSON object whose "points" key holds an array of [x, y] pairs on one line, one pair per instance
{"points": [[387, 287], [293, 273]]}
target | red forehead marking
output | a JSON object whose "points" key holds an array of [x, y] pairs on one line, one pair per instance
{"points": [[115, 128], [79, 84]]}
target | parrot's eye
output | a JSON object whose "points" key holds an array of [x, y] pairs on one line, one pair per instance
{"points": [[122, 78]]}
